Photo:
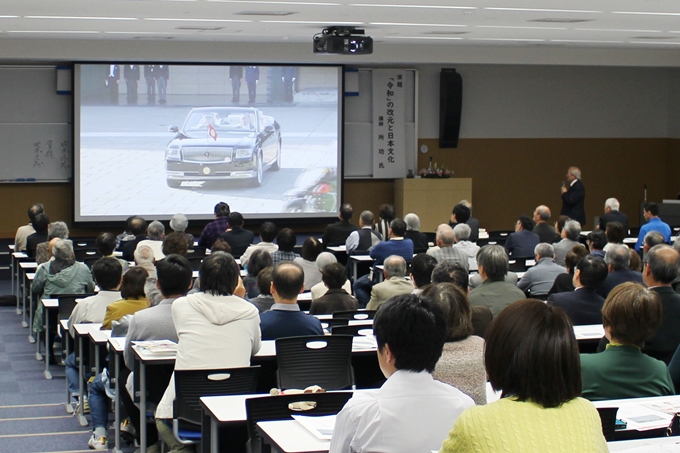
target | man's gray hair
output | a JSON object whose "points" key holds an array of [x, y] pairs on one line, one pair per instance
{"points": [[144, 254], [58, 230], [63, 250], [179, 223], [664, 270], [653, 238], [324, 259], [543, 212], [676, 244], [412, 221], [155, 231], [467, 204], [462, 231], [445, 233], [572, 229], [395, 266], [367, 217], [575, 172], [618, 256], [612, 203], [495, 261], [544, 250]]}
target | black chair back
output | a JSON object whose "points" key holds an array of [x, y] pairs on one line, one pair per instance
{"points": [[357, 315], [353, 330], [608, 418], [67, 302]]}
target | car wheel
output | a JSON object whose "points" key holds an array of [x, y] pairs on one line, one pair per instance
{"points": [[173, 183], [276, 166], [257, 180]]}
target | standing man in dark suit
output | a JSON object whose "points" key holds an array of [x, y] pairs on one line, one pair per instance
{"points": [[573, 196], [112, 83], [338, 232], [131, 74], [472, 222], [612, 214], [252, 76], [545, 232], [162, 76], [522, 242], [235, 74], [150, 79]]}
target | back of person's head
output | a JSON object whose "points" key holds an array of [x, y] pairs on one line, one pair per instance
{"points": [[175, 243], [286, 240], [615, 232], [635, 262], [128, 223], [395, 266], [40, 223], [174, 275], [107, 272], [575, 172], [461, 212], [664, 263], [451, 272], [455, 306], [544, 250], [495, 261], [632, 312], [612, 203], [386, 212], [62, 250], [106, 243], [155, 231], [259, 259], [268, 232], [597, 239], [218, 274], [526, 222], [543, 213], [324, 259], [652, 208], [466, 203], [144, 254], [346, 211], [367, 218], [422, 267], [311, 249], [235, 219], [220, 245], [334, 275], [288, 279], [572, 229], [179, 223], [35, 210], [531, 354], [462, 231], [398, 227], [412, 222], [593, 271], [561, 221], [137, 226], [57, 229], [222, 209], [653, 238], [133, 283], [574, 256], [414, 330], [445, 234], [618, 257], [264, 281]]}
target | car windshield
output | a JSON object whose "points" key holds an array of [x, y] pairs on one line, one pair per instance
{"points": [[202, 121]]}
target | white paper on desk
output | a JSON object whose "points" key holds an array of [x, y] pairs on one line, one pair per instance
{"points": [[158, 347], [322, 427], [364, 342], [588, 332], [641, 418], [652, 448], [667, 407]]}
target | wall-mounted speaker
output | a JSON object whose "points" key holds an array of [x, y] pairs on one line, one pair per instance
{"points": [[450, 104]]}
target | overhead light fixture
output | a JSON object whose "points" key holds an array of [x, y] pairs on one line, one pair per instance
{"points": [[544, 10], [645, 13], [408, 24], [81, 18], [520, 28], [376, 5], [173, 19]]}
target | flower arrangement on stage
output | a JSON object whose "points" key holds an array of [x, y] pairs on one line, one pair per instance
{"points": [[435, 171]]}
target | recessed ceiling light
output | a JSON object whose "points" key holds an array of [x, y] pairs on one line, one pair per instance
{"points": [[54, 31], [545, 10], [422, 37], [508, 39], [656, 42], [8, 17], [265, 13], [278, 3], [586, 41], [622, 30], [81, 17], [559, 20], [407, 24], [375, 5], [173, 19], [313, 22], [645, 13], [521, 28]]}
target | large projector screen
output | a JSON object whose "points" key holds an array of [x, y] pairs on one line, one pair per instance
{"points": [[156, 140]]}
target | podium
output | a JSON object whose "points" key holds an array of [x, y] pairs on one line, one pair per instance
{"points": [[432, 199]]}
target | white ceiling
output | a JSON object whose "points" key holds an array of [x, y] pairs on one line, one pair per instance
{"points": [[622, 24]]}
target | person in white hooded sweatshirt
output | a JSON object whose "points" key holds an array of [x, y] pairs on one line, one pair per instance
{"points": [[216, 329]]}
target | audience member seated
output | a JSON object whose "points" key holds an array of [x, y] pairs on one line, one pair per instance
{"points": [[461, 234], [583, 305], [564, 282], [675, 284], [494, 292], [411, 411], [258, 261], [25, 231], [179, 224], [472, 222], [630, 315], [462, 362], [459, 214], [126, 235], [216, 328], [286, 241], [40, 224], [361, 241], [395, 282], [422, 267], [570, 234], [651, 239], [338, 232], [532, 357], [238, 237], [522, 242], [55, 230], [264, 300], [615, 234], [413, 233], [220, 245], [538, 279], [336, 298], [382, 227], [155, 233], [654, 223], [175, 243], [476, 279], [444, 250], [218, 226], [618, 262], [319, 289], [597, 240], [144, 257], [137, 229], [106, 244], [267, 236], [285, 319], [307, 261], [612, 214], [133, 297], [545, 232]]}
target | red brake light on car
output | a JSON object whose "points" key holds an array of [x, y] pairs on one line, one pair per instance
{"points": [[322, 188]]}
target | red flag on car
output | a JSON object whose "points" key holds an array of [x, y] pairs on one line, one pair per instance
{"points": [[212, 132]]}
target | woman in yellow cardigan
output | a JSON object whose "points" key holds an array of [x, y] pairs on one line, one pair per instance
{"points": [[532, 357], [133, 300]]}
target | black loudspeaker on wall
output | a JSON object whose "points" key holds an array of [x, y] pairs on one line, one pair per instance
{"points": [[450, 104]]}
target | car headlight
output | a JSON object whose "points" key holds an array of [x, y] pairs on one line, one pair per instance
{"points": [[243, 153], [173, 153]]}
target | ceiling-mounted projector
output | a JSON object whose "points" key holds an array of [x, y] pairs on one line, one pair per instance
{"points": [[344, 41]]}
